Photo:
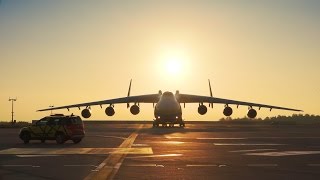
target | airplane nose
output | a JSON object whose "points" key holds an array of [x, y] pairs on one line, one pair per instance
{"points": [[168, 108]]}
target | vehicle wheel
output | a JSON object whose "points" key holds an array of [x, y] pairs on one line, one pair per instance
{"points": [[76, 141], [43, 140], [60, 138], [26, 137]]}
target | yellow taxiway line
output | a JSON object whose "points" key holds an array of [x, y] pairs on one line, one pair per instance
{"points": [[110, 166]]}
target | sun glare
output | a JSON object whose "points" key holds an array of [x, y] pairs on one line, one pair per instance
{"points": [[174, 61], [173, 66]]}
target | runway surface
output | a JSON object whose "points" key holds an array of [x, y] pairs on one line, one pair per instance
{"points": [[138, 151]]}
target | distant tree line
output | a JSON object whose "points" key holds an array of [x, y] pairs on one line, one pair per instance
{"points": [[294, 119]]}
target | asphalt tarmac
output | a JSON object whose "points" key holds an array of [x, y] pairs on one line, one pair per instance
{"points": [[138, 151]]}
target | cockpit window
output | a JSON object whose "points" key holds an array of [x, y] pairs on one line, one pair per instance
{"points": [[167, 94]]}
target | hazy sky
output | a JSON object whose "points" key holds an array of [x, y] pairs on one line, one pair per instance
{"points": [[67, 52]]}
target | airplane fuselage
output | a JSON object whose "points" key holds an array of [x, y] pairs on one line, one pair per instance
{"points": [[168, 109]]}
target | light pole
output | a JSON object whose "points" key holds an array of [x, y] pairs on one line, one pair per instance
{"points": [[51, 106], [12, 100]]}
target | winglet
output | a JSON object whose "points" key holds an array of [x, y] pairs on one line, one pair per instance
{"points": [[129, 90], [210, 88], [211, 104]]}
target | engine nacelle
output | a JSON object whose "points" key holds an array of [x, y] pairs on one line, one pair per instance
{"points": [[135, 109], [202, 109], [227, 111], [109, 111], [252, 113], [86, 113]]}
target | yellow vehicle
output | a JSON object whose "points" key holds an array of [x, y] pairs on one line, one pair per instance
{"points": [[55, 127]]}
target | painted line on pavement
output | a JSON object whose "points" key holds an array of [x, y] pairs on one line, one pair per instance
{"points": [[247, 144], [283, 153], [79, 165], [262, 165], [13, 165], [110, 166], [221, 138], [116, 137], [141, 165], [253, 150], [202, 165], [152, 156], [31, 156], [75, 151]]}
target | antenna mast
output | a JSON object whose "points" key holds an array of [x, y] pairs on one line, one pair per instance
{"points": [[12, 112]]}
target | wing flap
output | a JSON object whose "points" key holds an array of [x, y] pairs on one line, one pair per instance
{"points": [[186, 98], [150, 98]]}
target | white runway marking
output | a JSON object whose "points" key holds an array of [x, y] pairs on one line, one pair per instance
{"points": [[118, 165], [283, 153], [242, 138], [140, 145], [221, 138], [30, 156], [77, 151], [151, 156], [33, 166], [145, 165], [202, 165], [79, 165], [279, 137], [247, 144], [101, 165], [262, 165], [175, 137], [16, 165], [141, 165], [172, 142], [254, 150], [117, 137]]}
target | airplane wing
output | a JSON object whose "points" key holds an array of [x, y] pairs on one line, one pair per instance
{"points": [[187, 98], [149, 98]]}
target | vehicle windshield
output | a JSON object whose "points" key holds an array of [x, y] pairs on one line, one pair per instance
{"points": [[74, 120]]}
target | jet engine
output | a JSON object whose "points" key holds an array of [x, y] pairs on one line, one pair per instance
{"points": [[135, 109], [227, 111], [109, 111], [86, 113], [252, 113], [202, 109]]}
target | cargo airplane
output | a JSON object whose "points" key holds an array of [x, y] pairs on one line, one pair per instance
{"points": [[167, 106]]}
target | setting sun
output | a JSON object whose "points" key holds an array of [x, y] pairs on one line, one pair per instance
{"points": [[173, 66]]}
